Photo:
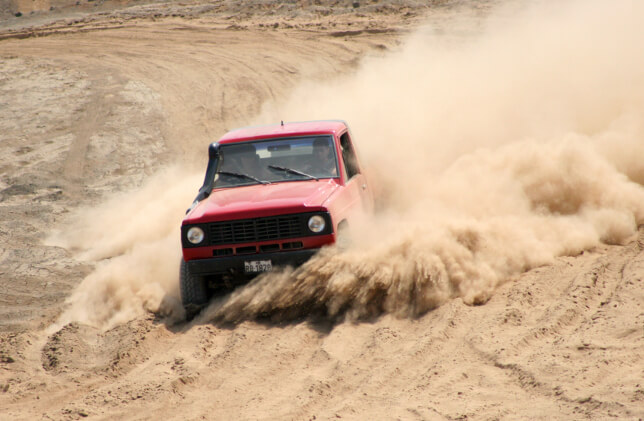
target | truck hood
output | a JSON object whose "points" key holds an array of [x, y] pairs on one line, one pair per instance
{"points": [[262, 200]]}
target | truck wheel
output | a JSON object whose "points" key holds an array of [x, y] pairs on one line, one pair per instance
{"points": [[194, 291]]}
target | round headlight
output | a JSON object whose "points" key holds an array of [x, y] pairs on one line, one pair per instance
{"points": [[195, 235], [316, 223]]}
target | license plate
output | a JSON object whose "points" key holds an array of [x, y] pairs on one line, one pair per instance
{"points": [[257, 266]]}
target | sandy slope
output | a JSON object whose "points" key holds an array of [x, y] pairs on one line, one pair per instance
{"points": [[97, 106], [565, 338]]}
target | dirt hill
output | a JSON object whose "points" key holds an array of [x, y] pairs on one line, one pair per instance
{"points": [[500, 279]]}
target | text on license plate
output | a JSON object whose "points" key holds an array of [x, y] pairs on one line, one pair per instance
{"points": [[256, 266]]}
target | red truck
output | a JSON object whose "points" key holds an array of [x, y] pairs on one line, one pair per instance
{"points": [[272, 196]]}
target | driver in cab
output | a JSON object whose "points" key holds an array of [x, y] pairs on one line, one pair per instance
{"points": [[322, 159]]}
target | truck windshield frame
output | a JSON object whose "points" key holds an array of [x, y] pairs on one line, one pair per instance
{"points": [[306, 157]]}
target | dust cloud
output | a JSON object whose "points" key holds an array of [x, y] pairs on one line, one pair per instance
{"points": [[494, 148], [132, 237]]}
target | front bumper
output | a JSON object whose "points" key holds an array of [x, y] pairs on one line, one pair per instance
{"points": [[235, 264]]}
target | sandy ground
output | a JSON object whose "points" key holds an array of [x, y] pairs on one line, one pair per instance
{"points": [[93, 103]]}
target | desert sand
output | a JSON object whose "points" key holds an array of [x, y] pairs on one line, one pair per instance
{"points": [[501, 278]]}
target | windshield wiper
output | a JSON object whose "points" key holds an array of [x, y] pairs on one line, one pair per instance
{"points": [[240, 175], [292, 171]]}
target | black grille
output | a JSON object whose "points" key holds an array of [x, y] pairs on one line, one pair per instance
{"points": [[259, 229], [222, 252]]}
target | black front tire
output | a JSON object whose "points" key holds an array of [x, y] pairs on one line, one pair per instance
{"points": [[195, 293]]}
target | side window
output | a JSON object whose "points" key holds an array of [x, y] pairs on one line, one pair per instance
{"points": [[348, 156]]}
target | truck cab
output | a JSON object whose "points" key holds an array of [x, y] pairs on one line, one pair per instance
{"points": [[272, 196]]}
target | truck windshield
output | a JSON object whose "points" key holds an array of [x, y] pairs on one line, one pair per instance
{"points": [[276, 160]]}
